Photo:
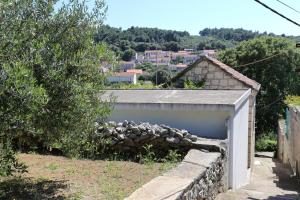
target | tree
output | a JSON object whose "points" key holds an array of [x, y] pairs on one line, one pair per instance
{"points": [[161, 76], [276, 75], [49, 73], [128, 55]]}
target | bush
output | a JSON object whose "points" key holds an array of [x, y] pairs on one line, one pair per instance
{"points": [[266, 142], [49, 74], [8, 161]]}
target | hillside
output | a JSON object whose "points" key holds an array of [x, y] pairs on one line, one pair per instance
{"points": [[136, 39]]}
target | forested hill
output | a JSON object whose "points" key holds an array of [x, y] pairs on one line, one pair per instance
{"points": [[141, 39]]}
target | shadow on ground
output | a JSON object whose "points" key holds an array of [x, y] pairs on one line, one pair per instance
{"points": [[285, 180], [25, 189], [280, 197]]}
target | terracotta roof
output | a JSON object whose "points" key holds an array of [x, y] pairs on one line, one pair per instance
{"points": [[124, 74], [233, 73], [137, 71]]}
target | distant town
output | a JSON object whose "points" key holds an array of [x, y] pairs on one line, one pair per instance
{"points": [[131, 72]]}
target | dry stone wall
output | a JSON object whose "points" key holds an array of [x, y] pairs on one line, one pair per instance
{"points": [[132, 137]]}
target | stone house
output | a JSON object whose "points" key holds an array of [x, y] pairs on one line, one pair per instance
{"points": [[216, 75]]}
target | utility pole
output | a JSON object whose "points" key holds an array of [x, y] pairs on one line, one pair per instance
{"points": [[156, 67]]}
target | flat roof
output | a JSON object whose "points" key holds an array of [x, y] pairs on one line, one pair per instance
{"points": [[190, 97]]}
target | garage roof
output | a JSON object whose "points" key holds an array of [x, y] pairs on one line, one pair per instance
{"points": [[175, 97]]}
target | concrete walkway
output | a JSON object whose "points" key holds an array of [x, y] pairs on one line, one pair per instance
{"points": [[270, 181]]}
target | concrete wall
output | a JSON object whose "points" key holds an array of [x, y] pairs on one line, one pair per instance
{"points": [[238, 148], [210, 124], [289, 139], [216, 78]]}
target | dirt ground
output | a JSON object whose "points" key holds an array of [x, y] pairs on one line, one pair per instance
{"points": [[56, 177]]}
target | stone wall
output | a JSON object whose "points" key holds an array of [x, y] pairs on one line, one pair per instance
{"points": [[216, 78], [199, 176], [208, 184], [132, 137], [288, 139]]}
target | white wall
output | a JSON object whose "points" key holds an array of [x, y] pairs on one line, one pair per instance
{"points": [[203, 123], [238, 148]]}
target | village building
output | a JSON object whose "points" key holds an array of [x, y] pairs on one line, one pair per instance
{"points": [[218, 76], [158, 57], [124, 66], [137, 71], [177, 68], [123, 77]]}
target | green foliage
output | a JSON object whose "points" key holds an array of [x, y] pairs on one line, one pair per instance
{"points": [[293, 100], [173, 156], [230, 33], [276, 75], [128, 55], [161, 76], [49, 73], [148, 156], [8, 161], [193, 85], [266, 142], [139, 39]]}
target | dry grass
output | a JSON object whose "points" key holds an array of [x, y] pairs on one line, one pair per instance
{"points": [[55, 177]]}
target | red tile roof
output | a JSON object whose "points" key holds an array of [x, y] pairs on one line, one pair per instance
{"points": [[137, 71], [123, 74]]}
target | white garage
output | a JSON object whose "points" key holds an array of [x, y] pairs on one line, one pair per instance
{"points": [[219, 114]]}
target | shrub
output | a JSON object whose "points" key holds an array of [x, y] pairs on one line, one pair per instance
{"points": [[8, 161], [266, 142]]}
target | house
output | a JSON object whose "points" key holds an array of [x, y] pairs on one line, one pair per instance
{"points": [[209, 52], [218, 114], [177, 68], [187, 57], [124, 66], [218, 76], [158, 57], [136, 71], [190, 58], [123, 77]]}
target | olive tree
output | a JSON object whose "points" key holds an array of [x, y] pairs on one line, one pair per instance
{"points": [[49, 73]]}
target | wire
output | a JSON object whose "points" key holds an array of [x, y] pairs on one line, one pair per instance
{"points": [[274, 11], [261, 60], [288, 6], [270, 104]]}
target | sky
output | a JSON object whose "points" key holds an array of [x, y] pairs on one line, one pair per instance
{"points": [[195, 15]]}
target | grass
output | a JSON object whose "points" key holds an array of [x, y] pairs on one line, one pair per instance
{"points": [[293, 100], [57, 177]]}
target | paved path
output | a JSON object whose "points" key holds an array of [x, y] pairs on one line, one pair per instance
{"points": [[270, 181]]}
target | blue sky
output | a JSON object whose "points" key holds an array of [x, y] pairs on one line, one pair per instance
{"points": [[194, 15]]}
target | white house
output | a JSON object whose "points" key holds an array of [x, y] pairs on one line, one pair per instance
{"points": [[123, 77], [220, 114]]}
